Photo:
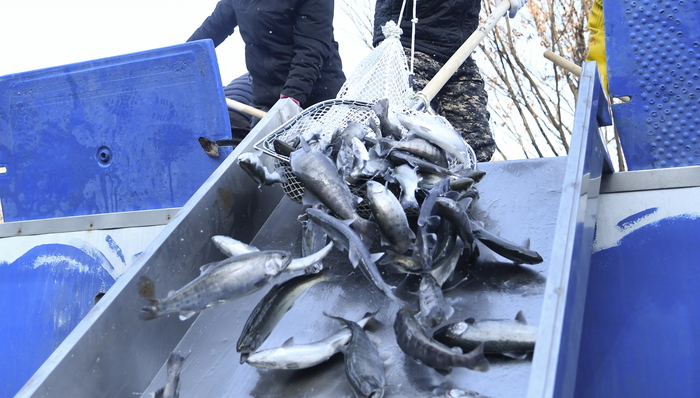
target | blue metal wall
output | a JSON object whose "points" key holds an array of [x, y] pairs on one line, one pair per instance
{"points": [[110, 135], [641, 324], [653, 56]]}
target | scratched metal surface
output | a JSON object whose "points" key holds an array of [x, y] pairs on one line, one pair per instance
{"points": [[519, 201]]}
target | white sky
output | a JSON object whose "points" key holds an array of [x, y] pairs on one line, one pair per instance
{"points": [[38, 34]]}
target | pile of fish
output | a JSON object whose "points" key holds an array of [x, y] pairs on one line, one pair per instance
{"points": [[395, 198]]}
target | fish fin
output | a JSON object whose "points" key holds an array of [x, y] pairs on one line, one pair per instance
{"points": [[383, 240], [310, 199], [203, 270], [289, 342], [376, 256], [454, 195], [368, 389], [368, 316], [411, 234], [520, 317], [337, 318], [283, 178], [170, 294], [159, 393], [244, 357], [328, 151], [304, 145], [448, 310], [185, 315], [515, 354], [150, 312], [477, 354], [352, 255], [526, 243]]}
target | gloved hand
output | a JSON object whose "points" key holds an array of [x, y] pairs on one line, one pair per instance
{"points": [[515, 5], [296, 101]]}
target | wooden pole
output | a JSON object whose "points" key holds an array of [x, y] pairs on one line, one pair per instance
{"points": [[563, 63], [241, 107], [438, 81]]}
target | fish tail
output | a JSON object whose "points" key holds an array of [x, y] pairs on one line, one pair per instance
{"points": [[175, 359], [151, 311], [475, 359], [244, 357], [337, 318]]}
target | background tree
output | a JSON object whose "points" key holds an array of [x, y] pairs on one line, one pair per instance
{"points": [[531, 101]]}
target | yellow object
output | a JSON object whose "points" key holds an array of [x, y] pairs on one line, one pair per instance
{"points": [[596, 41]]}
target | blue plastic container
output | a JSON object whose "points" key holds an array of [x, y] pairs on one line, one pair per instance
{"points": [[110, 135], [652, 57]]}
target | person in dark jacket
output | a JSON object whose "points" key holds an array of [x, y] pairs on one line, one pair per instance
{"points": [[241, 90], [442, 27], [290, 48]]}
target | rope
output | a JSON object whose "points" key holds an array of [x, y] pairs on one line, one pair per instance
{"points": [[414, 21]]}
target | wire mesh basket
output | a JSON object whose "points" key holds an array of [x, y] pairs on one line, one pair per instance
{"points": [[321, 119], [382, 75]]}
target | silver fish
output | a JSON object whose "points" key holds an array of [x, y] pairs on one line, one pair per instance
{"points": [[434, 309], [268, 312], [358, 254], [420, 164], [232, 247], [451, 210], [375, 166], [510, 337], [428, 180], [172, 385], [311, 262], [253, 166], [390, 216], [361, 156], [417, 344], [445, 240], [444, 269], [388, 129], [417, 146], [220, 282], [322, 184], [507, 249], [437, 130], [313, 239], [302, 356], [345, 161], [401, 264], [363, 365], [428, 222], [408, 179]]}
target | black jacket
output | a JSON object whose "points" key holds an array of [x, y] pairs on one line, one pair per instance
{"points": [[290, 48], [442, 27]]}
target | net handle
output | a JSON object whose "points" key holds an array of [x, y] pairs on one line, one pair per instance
{"points": [[457, 59], [239, 106]]}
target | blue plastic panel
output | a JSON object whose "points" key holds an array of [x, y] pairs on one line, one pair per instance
{"points": [[110, 135], [641, 324], [48, 284], [653, 56]]}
